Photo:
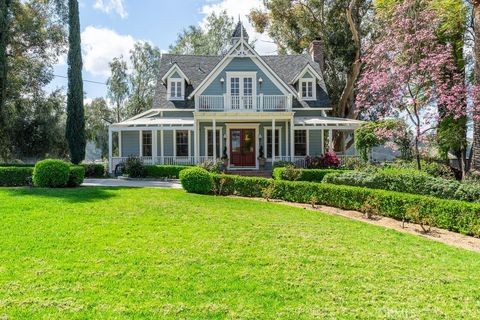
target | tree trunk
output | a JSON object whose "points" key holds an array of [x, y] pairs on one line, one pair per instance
{"points": [[475, 164], [345, 106]]}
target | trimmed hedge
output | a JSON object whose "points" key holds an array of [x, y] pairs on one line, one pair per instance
{"points": [[18, 165], [15, 176], [51, 173], [163, 171], [453, 215], [94, 170], [409, 181], [196, 180], [313, 175], [76, 176]]}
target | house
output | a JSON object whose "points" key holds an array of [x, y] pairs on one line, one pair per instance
{"points": [[237, 106]]}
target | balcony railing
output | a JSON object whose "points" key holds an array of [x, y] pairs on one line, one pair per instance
{"points": [[234, 103]]}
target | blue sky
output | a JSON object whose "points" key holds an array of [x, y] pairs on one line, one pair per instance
{"points": [[111, 27]]}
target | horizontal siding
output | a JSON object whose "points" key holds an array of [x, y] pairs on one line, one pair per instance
{"points": [[130, 143], [242, 64], [315, 140]]}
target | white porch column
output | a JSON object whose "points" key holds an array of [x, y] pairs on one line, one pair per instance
{"points": [[110, 151], [154, 146], [120, 151], [214, 128], [322, 141], [330, 142], [286, 139], [273, 141], [292, 141], [162, 160], [196, 137]]}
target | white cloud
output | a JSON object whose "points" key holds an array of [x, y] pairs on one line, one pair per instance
{"points": [[100, 46], [235, 8], [111, 6]]}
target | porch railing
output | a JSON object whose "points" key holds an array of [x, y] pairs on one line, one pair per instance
{"points": [[235, 103]]}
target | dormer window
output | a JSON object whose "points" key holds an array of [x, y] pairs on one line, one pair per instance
{"points": [[307, 89], [176, 89]]}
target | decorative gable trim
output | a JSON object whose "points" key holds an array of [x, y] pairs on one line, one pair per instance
{"points": [[172, 70], [308, 68], [244, 50]]}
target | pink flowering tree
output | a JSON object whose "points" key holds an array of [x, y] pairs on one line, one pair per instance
{"points": [[409, 74]]}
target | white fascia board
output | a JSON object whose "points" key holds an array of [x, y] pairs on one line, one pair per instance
{"points": [[229, 57], [174, 68], [308, 68]]}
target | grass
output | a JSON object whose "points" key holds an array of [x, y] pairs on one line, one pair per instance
{"points": [[151, 253]]}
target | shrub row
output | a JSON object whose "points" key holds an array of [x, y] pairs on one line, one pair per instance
{"points": [[51, 173], [409, 181], [94, 170], [163, 171], [15, 176], [314, 175], [453, 215]]}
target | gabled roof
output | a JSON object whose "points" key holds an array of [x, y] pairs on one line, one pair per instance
{"points": [[197, 67], [240, 31], [173, 69]]}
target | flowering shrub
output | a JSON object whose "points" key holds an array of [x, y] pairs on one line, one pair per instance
{"points": [[328, 160]]}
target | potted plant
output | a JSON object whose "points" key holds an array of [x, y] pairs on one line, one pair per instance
{"points": [[225, 158], [261, 158]]}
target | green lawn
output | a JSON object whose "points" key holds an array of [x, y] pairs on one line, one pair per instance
{"points": [[151, 253]]}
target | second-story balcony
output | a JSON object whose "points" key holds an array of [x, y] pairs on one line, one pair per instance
{"points": [[238, 103]]}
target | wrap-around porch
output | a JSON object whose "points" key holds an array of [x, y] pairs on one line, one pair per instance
{"points": [[244, 141]]}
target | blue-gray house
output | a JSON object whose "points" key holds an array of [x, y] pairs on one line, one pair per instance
{"points": [[237, 106]]}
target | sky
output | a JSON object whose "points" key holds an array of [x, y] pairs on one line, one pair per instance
{"points": [[109, 28]]}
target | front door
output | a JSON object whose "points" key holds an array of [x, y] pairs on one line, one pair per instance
{"points": [[242, 146]]}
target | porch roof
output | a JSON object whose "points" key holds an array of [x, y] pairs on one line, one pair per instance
{"points": [[154, 122], [331, 122]]}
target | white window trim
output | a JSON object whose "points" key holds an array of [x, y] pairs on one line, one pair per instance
{"points": [[265, 129], [314, 89], [169, 89], [189, 142], [141, 142], [307, 151], [221, 140]]}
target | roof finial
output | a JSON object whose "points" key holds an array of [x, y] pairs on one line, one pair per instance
{"points": [[241, 29]]}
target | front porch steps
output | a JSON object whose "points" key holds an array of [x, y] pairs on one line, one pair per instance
{"points": [[251, 173]]}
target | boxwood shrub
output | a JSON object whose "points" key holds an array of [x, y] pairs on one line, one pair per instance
{"points": [[409, 181], [51, 173], [314, 175], [458, 216], [163, 171], [94, 170], [196, 180], [76, 176], [15, 176]]}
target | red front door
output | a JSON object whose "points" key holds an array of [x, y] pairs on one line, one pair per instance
{"points": [[242, 146]]}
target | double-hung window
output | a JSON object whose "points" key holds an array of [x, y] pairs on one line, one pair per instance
{"points": [[307, 89], [300, 140], [210, 143], [175, 89], [181, 143], [147, 143], [269, 143]]}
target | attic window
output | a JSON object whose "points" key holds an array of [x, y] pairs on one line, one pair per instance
{"points": [[307, 89], [176, 89]]}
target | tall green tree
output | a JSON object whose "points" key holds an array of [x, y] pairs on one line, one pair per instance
{"points": [[97, 118], [212, 39], [5, 12], [145, 60], [118, 87], [75, 131], [36, 38]]}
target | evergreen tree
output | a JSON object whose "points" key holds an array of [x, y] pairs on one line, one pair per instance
{"points": [[75, 130]]}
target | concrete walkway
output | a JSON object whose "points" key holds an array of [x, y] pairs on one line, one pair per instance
{"points": [[131, 183]]}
